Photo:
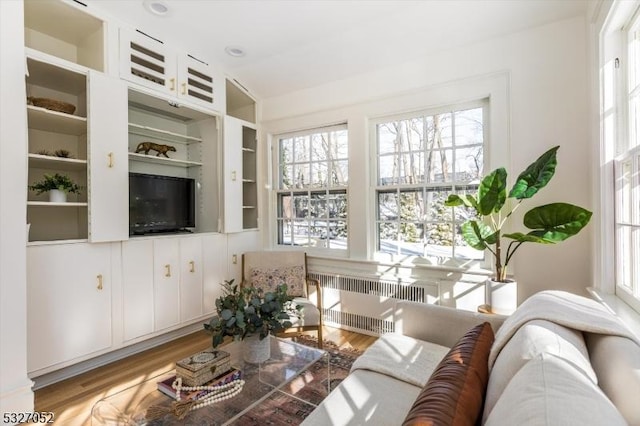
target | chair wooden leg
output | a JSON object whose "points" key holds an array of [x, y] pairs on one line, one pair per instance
{"points": [[320, 341]]}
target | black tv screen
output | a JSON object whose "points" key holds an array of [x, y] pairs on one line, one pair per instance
{"points": [[160, 204]]}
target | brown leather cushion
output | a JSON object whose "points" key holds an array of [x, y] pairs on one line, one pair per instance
{"points": [[455, 391]]}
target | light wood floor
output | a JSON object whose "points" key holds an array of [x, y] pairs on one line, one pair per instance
{"points": [[71, 400]]}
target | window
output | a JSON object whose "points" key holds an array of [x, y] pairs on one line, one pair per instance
{"points": [[312, 188], [627, 182], [422, 158]]}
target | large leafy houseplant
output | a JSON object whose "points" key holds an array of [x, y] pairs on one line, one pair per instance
{"points": [[245, 311], [548, 224]]}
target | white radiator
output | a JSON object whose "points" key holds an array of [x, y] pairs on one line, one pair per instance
{"points": [[365, 304]]}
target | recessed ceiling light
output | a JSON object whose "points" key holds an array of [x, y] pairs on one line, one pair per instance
{"points": [[157, 7], [235, 51]]}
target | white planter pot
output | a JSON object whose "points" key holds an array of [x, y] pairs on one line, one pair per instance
{"points": [[254, 350], [502, 296], [57, 196]]}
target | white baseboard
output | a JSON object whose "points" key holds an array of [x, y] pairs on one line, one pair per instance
{"points": [[84, 366], [18, 400]]}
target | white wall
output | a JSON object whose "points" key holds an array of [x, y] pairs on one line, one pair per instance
{"points": [[548, 105], [15, 387]]}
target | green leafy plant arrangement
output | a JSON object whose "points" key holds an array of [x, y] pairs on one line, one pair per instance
{"points": [[57, 181], [246, 311], [549, 224]]}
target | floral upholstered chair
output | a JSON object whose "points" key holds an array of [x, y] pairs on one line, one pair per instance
{"points": [[267, 269]]}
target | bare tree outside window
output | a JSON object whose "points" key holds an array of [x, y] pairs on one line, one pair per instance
{"points": [[312, 190], [423, 158]]}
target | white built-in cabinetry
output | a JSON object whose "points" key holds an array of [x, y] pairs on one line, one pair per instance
{"points": [[169, 281], [91, 288], [69, 302], [65, 63], [240, 178], [240, 161], [150, 62]]}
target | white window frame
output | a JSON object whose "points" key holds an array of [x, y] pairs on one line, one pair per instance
{"points": [[619, 270], [456, 262], [627, 168], [324, 243]]}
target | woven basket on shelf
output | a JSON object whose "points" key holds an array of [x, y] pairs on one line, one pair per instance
{"points": [[52, 104]]}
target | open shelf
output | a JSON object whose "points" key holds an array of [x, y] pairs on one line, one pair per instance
{"points": [[64, 30], [50, 204], [39, 161], [162, 160], [54, 121], [140, 130]]}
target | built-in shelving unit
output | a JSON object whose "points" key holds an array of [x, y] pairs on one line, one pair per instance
{"points": [[63, 44], [193, 136], [241, 150], [51, 131]]}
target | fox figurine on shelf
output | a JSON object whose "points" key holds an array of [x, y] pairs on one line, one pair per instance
{"points": [[159, 148]]}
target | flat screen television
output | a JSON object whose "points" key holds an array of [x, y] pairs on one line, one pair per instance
{"points": [[160, 204]]}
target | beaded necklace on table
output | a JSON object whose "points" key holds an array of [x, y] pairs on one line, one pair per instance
{"points": [[216, 393], [180, 408]]}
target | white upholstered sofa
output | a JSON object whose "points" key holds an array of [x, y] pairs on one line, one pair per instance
{"points": [[560, 359]]}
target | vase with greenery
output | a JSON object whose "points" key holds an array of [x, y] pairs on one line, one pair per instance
{"points": [[56, 182], [547, 224], [248, 311]]}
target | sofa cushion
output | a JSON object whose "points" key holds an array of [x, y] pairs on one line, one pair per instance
{"points": [[532, 339], [402, 358], [616, 361], [548, 390], [455, 391], [364, 397]]}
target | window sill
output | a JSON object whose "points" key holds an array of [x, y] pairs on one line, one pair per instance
{"points": [[629, 316]]}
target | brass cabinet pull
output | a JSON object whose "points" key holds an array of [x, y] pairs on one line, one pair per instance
{"points": [[99, 281], [167, 270], [111, 159], [192, 266], [184, 88], [173, 84]]}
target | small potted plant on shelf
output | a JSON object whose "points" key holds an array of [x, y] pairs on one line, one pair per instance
{"points": [[547, 224], [57, 186], [249, 314]]}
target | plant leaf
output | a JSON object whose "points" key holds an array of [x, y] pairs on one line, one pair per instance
{"points": [[476, 234], [467, 200], [536, 176], [557, 221], [492, 192]]}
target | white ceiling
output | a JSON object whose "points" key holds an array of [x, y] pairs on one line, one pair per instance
{"points": [[291, 45]]}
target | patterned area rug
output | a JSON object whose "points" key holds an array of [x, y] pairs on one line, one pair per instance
{"points": [[283, 409]]}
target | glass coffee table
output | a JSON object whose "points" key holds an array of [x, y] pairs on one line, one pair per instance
{"points": [[289, 362]]}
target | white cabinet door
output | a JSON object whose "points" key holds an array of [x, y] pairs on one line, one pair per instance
{"points": [[147, 61], [108, 182], [166, 282], [236, 245], [137, 288], [69, 302], [191, 272], [214, 259], [199, 82], [232, 174]]}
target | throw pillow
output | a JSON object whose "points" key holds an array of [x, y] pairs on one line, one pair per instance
{"points": [[268, 279], [455, 391]]}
